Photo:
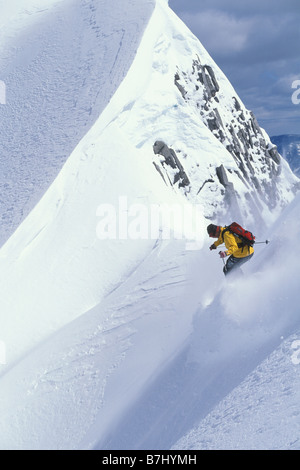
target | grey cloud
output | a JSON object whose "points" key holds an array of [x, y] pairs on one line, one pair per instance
{"points": [[269, 7]]}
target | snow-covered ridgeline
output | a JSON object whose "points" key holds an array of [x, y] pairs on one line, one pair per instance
{"points": [[102, 332], [57, 248], [223, 159], [61, 62]]}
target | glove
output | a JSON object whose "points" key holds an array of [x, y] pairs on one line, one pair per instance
{"points": [[213, 247], [222, 254]]}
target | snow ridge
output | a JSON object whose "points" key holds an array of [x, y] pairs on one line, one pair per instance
{"points": [[136, 342], [61, 62]]}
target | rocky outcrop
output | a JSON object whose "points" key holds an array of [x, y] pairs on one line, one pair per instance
{"points": [[230, 195], [257, 160], [171, 165], [289, 147]]}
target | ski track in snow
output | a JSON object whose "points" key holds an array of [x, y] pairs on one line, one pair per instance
{"points": [[261, 413], [73, 369], [164, 353], [112, 370]]}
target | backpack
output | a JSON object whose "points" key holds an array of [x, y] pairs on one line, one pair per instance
{"points": [[247, 238]]}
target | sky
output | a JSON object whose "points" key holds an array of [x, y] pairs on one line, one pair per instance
{"points": [[257, 46]]}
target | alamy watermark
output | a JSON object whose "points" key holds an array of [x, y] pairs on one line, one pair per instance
{"points": [[2, 92], [2, 353], [139, 221], [296, 94]]}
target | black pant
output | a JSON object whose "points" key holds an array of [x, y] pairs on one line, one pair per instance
{"points": [[234, 264]]}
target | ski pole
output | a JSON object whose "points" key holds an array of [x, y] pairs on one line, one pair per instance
{"points": [[224, 267], [266, 242]]}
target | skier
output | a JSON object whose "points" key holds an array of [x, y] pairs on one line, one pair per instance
{"points": [[237, 251]]}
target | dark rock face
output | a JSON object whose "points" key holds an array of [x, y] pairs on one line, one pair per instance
{"points": [[230, 195], [171, 160]]}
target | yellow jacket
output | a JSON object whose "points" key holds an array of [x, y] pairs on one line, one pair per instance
{"points": [[231, 243]]}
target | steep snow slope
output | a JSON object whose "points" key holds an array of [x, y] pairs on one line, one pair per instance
{"points": [[56, 258], [223, 159], [95, 321], [56, 252], [71, 391], [239, 172], [61, 62], [174, 346], [261, 413], [262, 313]]}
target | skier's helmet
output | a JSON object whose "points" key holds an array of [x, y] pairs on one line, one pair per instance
{"points": [[213, 230]]}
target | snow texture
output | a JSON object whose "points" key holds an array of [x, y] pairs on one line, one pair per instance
{"points": [[131, 339]]}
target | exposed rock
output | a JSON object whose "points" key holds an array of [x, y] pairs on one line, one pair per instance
{"points": [[209, 180], [171, 160], [256, 158], [229, 195], [288, 146], [274, 154]]}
